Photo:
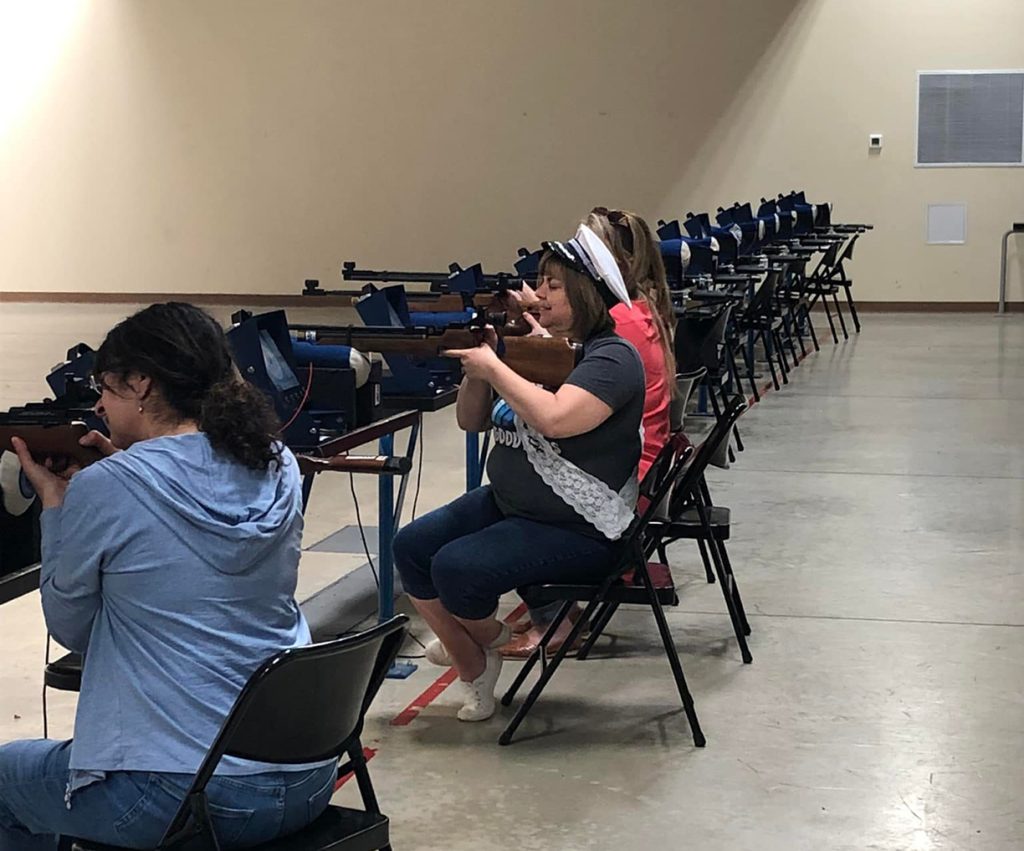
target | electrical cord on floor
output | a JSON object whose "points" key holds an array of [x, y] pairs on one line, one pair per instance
{"points": [[416, 655], [362, 532], [366, 548]]}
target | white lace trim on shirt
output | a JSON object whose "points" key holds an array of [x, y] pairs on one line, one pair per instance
{"points": [[609, 512]]}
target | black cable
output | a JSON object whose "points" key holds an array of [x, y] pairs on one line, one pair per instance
{"points": [[369, 559], [362, 533]]}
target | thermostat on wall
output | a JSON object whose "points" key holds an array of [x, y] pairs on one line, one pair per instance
{"points": [[875, 141]]}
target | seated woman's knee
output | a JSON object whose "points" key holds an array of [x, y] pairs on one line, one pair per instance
{"points": [[412, 561], [462, 581]]}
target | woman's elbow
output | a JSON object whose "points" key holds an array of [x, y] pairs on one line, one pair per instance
{"points": [[468, 423], [557, 428]]}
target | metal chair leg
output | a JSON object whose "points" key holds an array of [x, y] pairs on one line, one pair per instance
{"points": [[853, 307], [547, 671], [597, 629], [810, 328], [799, 330], [839, 312], [831, 324], [524, 672], [674, 663], [783, 365], [734, 587], [771, 363], [708, 569], [749, 363], [738, 625]]}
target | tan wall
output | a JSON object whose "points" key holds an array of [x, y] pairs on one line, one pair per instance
{"points": [[243, 146], [836, 73]]}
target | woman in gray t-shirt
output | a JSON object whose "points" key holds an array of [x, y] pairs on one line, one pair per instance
{"points": [[562, 471]]}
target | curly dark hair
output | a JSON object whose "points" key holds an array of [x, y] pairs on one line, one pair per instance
{"points": [[184, 351]]}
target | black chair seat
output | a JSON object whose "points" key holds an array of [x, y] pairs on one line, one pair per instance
{"points": [[687, 525], [759, 323], [338, 828], [628, 590], [65, 673], [816, 288]]}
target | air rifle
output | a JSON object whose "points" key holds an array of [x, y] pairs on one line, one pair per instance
{"points": [[542, 360]]}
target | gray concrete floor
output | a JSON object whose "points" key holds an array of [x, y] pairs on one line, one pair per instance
{"points": [[878, 542], [877, 539]]}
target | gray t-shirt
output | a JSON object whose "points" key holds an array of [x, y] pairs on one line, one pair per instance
{"points": [[612, 370]]}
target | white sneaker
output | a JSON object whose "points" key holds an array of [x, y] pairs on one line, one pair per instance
{"points": [[437, 654], [480, 703]]}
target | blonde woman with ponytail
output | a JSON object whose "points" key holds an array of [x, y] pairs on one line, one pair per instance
{"points": [[649, 323]]}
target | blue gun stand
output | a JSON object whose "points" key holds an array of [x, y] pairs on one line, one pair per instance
{"points": [[418, 378], [389, 508]]}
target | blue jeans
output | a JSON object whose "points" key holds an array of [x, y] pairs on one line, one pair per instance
{"points": [[468, 554], [133, 808]]}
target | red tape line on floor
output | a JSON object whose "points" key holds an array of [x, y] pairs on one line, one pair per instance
{"points": [[436, 688], [369, 753]]}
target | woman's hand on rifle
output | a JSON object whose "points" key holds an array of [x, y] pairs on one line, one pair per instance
{"points": [[536, 329], [478, 363], [100, 442], [49, 479]]}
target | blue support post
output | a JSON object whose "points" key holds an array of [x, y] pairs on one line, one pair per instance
{"points": [[386, 523], [386, 534]]}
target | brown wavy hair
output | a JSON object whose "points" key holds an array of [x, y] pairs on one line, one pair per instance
{"points": [[590, 314], [184, 351], [639, 258]]}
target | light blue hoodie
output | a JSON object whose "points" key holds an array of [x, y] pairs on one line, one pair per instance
{"points": [[173, 568]]}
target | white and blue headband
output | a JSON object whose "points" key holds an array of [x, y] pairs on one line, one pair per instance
{"points": [[587, 253]]}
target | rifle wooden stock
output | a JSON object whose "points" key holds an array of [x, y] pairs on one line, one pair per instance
{"points": [[51, 441], [542, 360]]}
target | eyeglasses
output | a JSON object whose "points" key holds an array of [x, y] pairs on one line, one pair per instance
{"points": [[97, 385]]}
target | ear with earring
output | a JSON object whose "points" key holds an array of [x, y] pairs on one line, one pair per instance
{"points": [[140, 409]]}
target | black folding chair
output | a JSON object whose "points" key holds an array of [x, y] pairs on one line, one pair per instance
{"points": [[702, 343], [760, 318], [822, 285], [840, 277], [685, 384], [691, 515], [631, 582], [302, 705]]}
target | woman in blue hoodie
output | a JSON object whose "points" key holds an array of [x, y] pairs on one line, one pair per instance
{"points": [[171, 565]]}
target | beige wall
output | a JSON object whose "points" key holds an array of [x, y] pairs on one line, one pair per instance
{"points": [[242, 146]]}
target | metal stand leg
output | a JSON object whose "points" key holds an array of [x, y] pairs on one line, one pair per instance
{"points": [[389, 518], [1018, 227], [385, 535]]}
